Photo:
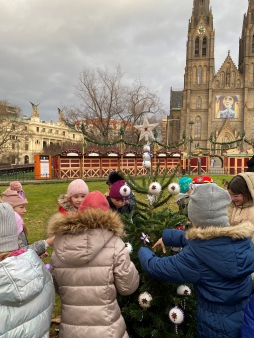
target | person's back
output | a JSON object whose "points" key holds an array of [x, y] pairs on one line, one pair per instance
{"points": [[217, 258], [26, 288], [90, 265]]}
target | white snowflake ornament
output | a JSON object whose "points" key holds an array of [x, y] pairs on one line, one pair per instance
{"points": [[129, 247], [183, 290], [146, 156], [144, 300], [146, 164], [125, 190], [174, 188], [154, 188], [151, 199]]}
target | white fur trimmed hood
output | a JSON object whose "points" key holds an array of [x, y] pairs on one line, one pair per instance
{"points": [[240, 231]]}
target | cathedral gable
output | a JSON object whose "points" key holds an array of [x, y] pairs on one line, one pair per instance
{"points": [[228, 76]]}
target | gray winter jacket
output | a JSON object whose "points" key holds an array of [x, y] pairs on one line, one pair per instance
{"points": [[26, 297]]}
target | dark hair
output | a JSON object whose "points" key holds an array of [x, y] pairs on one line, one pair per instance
{"points": [[238, 185]]}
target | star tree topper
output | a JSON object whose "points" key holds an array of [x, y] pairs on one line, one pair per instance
{"points": [[146, 129]]}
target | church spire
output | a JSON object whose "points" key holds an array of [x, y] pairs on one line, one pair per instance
{"points": [[201, 7], [246, 42]]}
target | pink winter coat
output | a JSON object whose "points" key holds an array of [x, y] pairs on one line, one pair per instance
{"points": [[89, 266]]}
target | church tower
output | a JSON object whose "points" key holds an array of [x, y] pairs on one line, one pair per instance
{"points": [[246, 67], [199, 71], [218, 105], [246, 43]]}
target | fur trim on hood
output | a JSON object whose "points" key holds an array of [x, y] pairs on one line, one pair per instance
{"points": [[241, 231], [63, 202], [76, 223]]}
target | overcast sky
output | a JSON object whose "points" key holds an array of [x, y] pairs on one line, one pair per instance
{"points": [[45, 44]]}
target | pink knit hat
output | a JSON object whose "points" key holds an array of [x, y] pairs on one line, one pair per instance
{"points": [[14, 195], [114, 191], [77, 187], [95, 200]]}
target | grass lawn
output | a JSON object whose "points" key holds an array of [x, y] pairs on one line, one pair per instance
{"points": [[42, 203]]}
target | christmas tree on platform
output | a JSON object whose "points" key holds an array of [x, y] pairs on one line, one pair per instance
{"points": [[157, 309]]}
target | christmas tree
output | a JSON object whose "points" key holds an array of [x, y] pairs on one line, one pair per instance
{"points": [[156, 309]]}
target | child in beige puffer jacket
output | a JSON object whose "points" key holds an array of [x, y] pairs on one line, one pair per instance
{"points": [[90, 265]]}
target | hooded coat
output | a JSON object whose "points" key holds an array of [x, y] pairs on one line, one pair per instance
{"points": [[218, 261], [90, 265], [27, 297], [246, 211]]}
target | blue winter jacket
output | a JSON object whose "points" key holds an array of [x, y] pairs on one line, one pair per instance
{"points": [[218, 261], [248, 324]]}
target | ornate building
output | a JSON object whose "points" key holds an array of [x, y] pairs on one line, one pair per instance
{"points": [[37, 134], [220, 104]]}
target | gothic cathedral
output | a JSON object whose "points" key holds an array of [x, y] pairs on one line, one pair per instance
{"points": [[218, 105]]}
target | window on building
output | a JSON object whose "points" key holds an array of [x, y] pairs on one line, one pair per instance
{"points": [[50, 131], [13, 127], [199, 75], [13, 137], [25, 128], [63, 133], [37, 129], [56, 131], [26, 138], [73, 135], [197, 133], [204, 47], [197, 47], [43, 130], [13, 146], [199, 103], [26, 146]]}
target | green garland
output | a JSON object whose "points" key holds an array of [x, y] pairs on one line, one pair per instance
{"points": [[131, 144]]}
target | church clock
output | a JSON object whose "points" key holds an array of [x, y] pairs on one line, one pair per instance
{"points": [[201, 30]]}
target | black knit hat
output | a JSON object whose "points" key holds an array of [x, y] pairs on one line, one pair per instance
{"points": [[113, 177]]}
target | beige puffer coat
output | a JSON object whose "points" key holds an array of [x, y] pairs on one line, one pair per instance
{"points": [[246, 211], [89, 266]]}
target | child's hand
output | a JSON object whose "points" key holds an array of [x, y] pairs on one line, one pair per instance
{"points": [[159, 242], [44, 255], [50, 241]]}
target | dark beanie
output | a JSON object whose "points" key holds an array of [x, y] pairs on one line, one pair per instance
{"points": [[113, 177], [208, 206]]}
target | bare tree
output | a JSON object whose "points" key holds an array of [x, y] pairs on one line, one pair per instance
{"points": [[108, 105], [10, 126]]}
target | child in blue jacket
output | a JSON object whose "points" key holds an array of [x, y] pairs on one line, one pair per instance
{"points": [[217, 258]]}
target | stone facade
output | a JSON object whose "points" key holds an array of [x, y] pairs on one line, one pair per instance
{"points": [[220, 104], [36, 134]]}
